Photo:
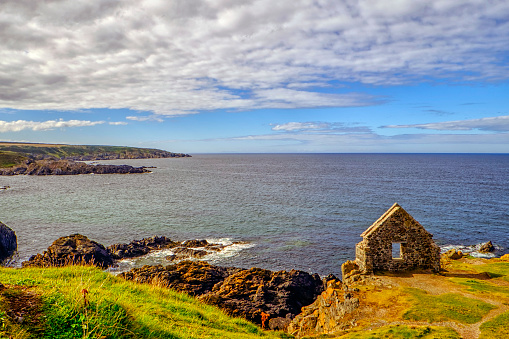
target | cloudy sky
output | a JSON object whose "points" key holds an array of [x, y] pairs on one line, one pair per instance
{"points": [[257, 75]]}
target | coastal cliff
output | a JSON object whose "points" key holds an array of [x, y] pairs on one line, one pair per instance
{"points": [[66, 167], [48, 159]]}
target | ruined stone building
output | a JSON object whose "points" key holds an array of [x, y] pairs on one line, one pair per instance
{"points": [[396, 242]]}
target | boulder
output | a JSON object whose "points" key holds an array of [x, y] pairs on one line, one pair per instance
{"points": [[75, 249], [453, 254], [185, 253], [141, 247], [487, 247], [8, 242]]}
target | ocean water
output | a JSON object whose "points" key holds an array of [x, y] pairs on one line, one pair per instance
{"points": [[275, 211]]}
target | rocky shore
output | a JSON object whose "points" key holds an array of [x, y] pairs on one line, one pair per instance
{"points": [[67, 167], [249, 293]]}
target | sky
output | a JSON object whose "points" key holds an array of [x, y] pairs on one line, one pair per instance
{"points": [[257, 76]]}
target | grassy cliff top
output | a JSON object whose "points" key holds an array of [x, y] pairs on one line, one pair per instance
{"points": [[12, 153], [85, 302]]}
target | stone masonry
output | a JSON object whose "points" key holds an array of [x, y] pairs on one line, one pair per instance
{"points": [[413, 245]]}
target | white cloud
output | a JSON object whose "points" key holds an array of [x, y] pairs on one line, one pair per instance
{"points": [[300, 126], [184, 56], [145, 118], [493, 124], [20, 125], [319, 127], [117, 123]]}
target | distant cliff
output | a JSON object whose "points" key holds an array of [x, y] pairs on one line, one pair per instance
{"points": [[12, 154], [67, 167]]}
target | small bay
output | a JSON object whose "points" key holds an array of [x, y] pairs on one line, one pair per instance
{"points": [[302, 211]]}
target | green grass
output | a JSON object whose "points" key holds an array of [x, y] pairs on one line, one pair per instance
{"points": [[63, 151], [450, 306], [404, 332], [482, 287], [495, 270], [10, 159], [496, 328], [115, 308]]}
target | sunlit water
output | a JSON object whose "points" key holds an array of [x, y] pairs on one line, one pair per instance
{"points": [[302, 211]]}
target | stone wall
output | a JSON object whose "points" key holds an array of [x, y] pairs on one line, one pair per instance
{"points": [[418, 250]]}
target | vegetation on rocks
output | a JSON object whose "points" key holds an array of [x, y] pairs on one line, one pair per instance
{"points": [[85, 302], [12, 154]]}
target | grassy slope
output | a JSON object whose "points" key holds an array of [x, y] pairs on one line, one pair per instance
{"points": [[9, 159], [13, 153], [465, 302], [115, 308]]}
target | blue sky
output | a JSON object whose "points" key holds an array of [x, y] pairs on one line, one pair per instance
{"points": [[213, 76]]}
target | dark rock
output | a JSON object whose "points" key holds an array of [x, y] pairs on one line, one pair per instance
{"points": [[8, 242], [192, 277], [195, 243], [487, 247], [248, 293], [66, 167], [184, 253], [75, 249], [239, 292], [141, 247]]}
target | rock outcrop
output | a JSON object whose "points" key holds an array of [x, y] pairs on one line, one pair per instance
{"points": [[239, 292], [192, 277], [75, 249], [141, 247], [8, 242], [66, 167], [328, 314], [452, 254], [487, 247]]}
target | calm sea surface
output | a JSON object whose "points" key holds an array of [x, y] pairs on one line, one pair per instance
{"points": [[302, 211]]}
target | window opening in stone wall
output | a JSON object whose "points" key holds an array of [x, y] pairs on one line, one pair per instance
{"points": [[396, 250]]}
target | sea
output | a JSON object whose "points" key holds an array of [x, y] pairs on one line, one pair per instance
{"points": [[273, 211]]}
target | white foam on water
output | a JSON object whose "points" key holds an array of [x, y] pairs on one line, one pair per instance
{"points": [[472, 250], [158, 257]]}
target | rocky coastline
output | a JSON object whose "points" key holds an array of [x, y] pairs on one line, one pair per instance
{"points": [[68, 167], [300, 303], [247, 293]]}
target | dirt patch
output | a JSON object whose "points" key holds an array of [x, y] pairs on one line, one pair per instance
{"points": [[23, 307]]}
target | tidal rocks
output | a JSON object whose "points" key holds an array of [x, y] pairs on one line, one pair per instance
{"points": [[8, 242], [74, 249], [453, 254], [239, 292], [487, 247], [66, 167], [141, 247]]}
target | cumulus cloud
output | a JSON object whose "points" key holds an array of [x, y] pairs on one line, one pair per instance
{"points": [[185, 56], [20, 125], [492, 124], [117, 123]]}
